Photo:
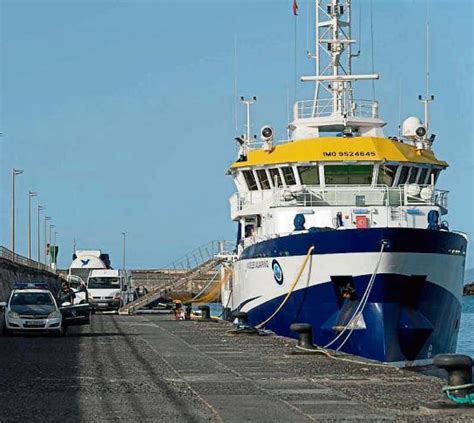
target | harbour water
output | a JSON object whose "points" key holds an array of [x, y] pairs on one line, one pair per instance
{"points": [[466, 333]]}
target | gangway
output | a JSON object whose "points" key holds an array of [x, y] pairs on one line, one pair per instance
{"points": [[205, 259]]}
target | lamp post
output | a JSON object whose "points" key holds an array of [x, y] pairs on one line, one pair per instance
{"points": [[123, 249], [46, 218], [31, 194], [15, 173], [40, 208]]}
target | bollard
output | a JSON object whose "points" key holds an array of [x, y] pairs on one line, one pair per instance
{"points": [[242, 317], [242, 326], [305, 339], [459, 368], [205, 312]]}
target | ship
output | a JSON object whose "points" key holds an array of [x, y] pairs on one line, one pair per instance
{"points": [[342, 227]]}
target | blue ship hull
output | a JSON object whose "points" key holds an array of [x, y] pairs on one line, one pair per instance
{"points": [[407, 320]]}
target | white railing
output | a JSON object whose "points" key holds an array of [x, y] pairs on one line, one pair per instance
{"points": [[324, 108], [353, 196]]}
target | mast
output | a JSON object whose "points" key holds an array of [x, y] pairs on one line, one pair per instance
{"points": [[333, 56]]}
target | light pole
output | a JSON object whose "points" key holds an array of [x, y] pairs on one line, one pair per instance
{"points": [[123, 249], [46, 218], [40, 208], [31, 194], [15, 173]]}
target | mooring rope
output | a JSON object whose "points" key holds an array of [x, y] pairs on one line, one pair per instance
{"points": [[362, 304], [298, 276]]}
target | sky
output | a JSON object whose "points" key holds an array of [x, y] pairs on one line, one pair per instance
{"points": [[123, 114]]}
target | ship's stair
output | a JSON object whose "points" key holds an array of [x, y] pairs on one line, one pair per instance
{"points": [[207, 258]]}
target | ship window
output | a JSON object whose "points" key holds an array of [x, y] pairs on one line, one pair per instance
{"points": [[263, 178], [422, 177], [413, 174], [403, 175], [276, 178], [250, 179], [288, 175], [348, 174], [309, 175], [387, 175]]}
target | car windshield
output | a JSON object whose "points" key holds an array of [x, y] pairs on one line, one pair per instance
{"points": [[31, 298], [104, 283]]}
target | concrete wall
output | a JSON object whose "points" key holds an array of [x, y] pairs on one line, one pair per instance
{"points": [[11, 273]]}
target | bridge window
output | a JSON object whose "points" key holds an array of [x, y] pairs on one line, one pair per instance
{"points": [[276, 178], [288, 175], [422, 177], [403, 175], [250, 179], [348, 174], [413, 175], [387, 175], [309, 175], [263, 178]]}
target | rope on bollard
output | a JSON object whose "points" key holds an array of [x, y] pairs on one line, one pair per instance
{"points": [[467, 399]]}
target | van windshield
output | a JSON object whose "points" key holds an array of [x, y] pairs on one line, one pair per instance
{"points": [[104, 283]]}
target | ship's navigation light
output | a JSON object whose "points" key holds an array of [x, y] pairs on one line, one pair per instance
{"points": [[267, 133]]}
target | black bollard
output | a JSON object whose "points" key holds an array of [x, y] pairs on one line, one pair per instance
{"points": [[305, 331], [459, 368], [205, 312], [242, 318]]}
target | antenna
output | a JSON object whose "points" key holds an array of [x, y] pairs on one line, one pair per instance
{"points": [[428, 98], [248, 103]]}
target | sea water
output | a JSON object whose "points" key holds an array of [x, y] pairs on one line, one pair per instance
{"points": [[466, 331]]}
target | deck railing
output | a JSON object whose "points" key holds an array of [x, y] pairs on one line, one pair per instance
{"points": [[353, 196], [324, 107]]}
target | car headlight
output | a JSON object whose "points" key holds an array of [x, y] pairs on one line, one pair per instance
{"points": [[54, 315], [13, 315]]}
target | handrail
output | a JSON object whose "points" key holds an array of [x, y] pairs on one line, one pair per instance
{"points": [[349, 195], [9, 255]]}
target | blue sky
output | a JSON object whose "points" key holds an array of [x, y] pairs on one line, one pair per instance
{"points": [[121, 113]]}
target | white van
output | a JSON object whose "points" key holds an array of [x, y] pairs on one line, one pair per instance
{"points": [[108, 289]]}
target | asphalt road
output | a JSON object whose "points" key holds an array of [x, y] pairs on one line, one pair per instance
{"points": [[151, 368], [102, 372]]}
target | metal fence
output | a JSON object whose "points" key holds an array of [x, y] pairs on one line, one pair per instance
{"points": [[9, 255]]}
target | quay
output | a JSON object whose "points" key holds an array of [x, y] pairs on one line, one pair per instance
{"points": [[152, 368]]}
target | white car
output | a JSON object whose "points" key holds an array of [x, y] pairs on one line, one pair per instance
{"points": [[32, 309]]}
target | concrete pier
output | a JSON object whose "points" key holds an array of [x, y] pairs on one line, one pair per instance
{"points": [[151, 368]]}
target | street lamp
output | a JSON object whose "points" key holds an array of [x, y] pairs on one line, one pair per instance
{"points": [[46, 218], [123, 250], [31, 194], [54, 263], [40, 208], [15, 173]]}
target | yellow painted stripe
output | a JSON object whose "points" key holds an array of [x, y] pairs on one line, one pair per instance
{"points": [[332, 149]]}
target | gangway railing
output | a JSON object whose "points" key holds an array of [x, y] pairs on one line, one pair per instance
{"points": [[9, 255], [184, 270]]}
